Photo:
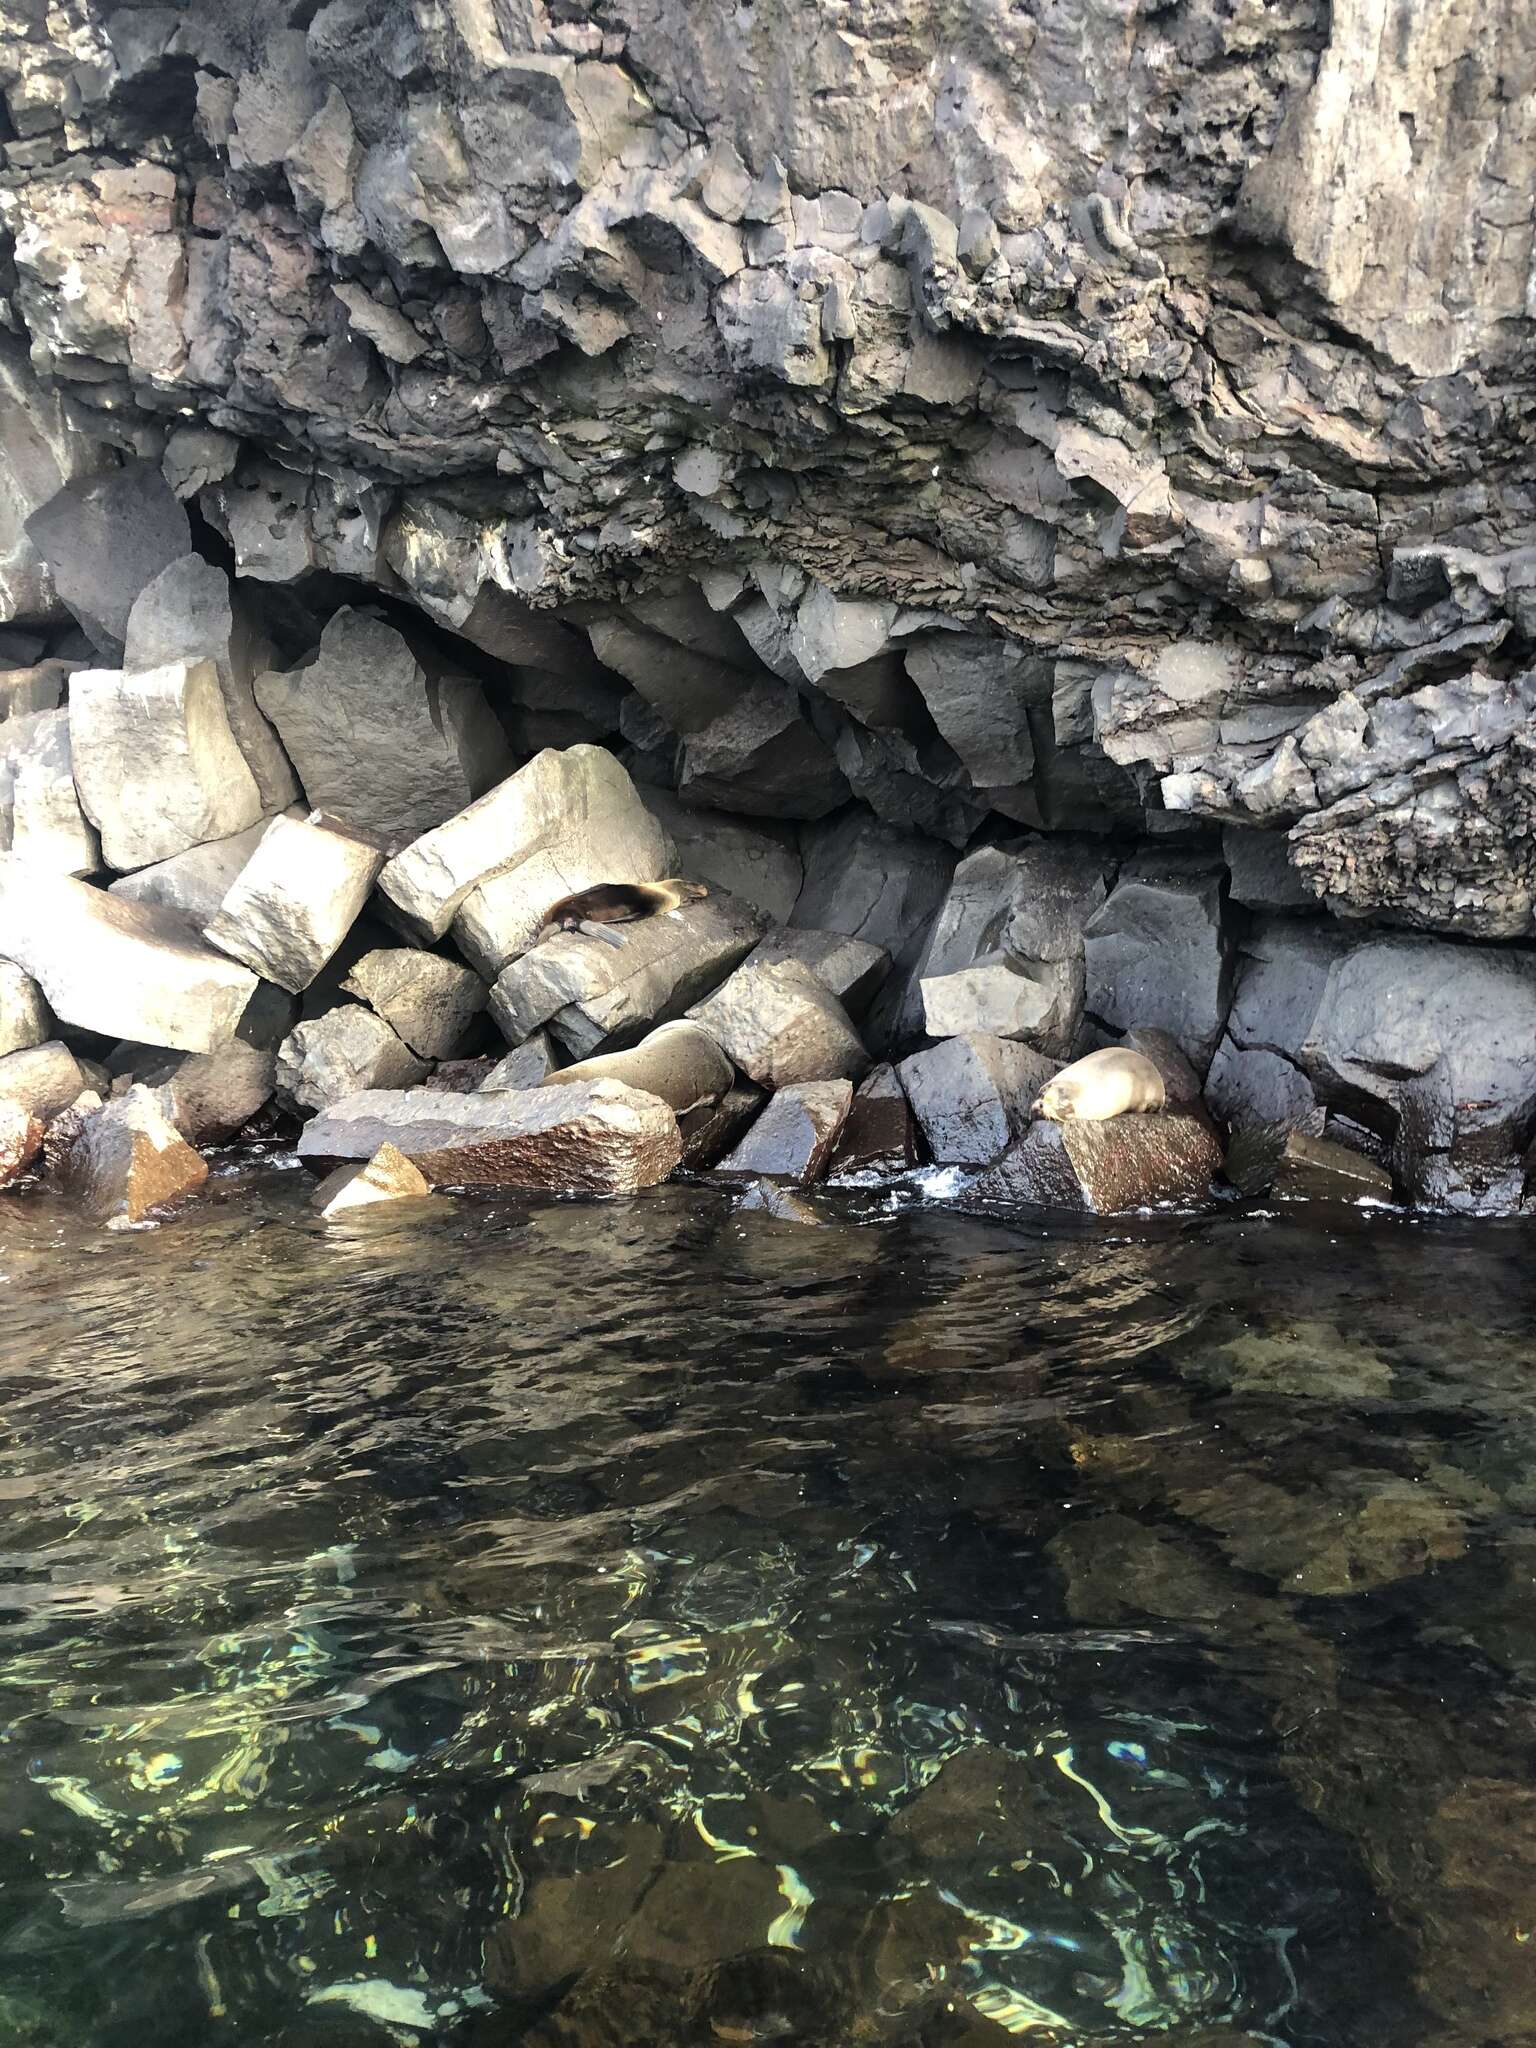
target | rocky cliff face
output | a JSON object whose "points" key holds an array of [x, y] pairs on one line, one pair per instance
{"points": [[1108, 417]]}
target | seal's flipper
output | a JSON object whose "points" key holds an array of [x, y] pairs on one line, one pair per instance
{"points": [[610, 935]]}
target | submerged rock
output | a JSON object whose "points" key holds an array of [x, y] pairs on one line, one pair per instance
{"points": [[387, 1177], [768, 1198], [1297, 1166], [597, 1139], [794, 1137], [126, 1160]]}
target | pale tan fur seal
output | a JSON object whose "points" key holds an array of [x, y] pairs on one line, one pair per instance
{"points": [[1103, 1085], [617, 903]]}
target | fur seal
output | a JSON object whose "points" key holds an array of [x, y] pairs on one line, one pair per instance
{"points": [[617, 903], [1103, 1085]]}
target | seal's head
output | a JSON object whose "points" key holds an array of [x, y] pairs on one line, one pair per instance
{"points": [[1057, 1102], [690, 892]]}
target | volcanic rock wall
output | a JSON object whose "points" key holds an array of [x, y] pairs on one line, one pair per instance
{"points": [[957, 422]]}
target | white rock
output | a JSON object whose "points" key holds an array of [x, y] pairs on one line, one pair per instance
{"points": [[387, 1177], [48, 827], [194, 883], [556, 795], [24, 1017], [295, 900], [127, 970], [428, 1000], [44, 1079], [156, 763], [345, 1050]]}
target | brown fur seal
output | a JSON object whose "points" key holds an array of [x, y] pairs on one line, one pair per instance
{"points": [[1103, 1085], [617, 903]]}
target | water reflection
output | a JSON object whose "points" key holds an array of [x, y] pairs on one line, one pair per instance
{"points": [[636, 1623]]}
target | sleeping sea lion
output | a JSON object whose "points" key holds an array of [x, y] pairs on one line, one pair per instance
{"points": [[617, 903], [1103, 1085]]}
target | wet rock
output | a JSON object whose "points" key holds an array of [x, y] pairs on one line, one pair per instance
{"points": [[551, 798], [501, 917], [753, 859], [193, 884], [971, 1096], [599, 1139], [21, 1139], [428, 1000], [387, 1177], [381, 743], [852, 969], [47, 826], [601, 993], [295, 900], [710, 1131], [189, 614], [1297, 1166], [24, 1017], [125, 970], [345, 1051], [782, 1025], [880, 1138], [208, 1097], [526, 1066], [1104, 1169], [1350, 1532], [1156, 953], [571, 1924], [126, 1161], [679, 1062], [156, 763], [104, 538], [768, 1198], [44, 1079], [793, 1139]]}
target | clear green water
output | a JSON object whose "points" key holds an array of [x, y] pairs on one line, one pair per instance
{"points": [[636, 1625]]}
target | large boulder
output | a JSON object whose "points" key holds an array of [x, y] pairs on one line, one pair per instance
{"points": [[104, 538], [1104, 1169], [552, 798], [781, 1024], [978, 689], [24, 1017], [387, 1177], [620, 843], [679, 1062], [126, 970], [39, 452], [125, 1161], [1157, 953], [44, 1079], [874, 883], [40, 814], [428, 1000], [880, 1138], [762, 756], [794, 1138], [156, 763], [598, 1139], [1248, 1089], [852, 969], [21, 1139], [750, 858], [1002, 997], [208, 1096], [1301, 1166], [295, 900], [601, 993], [380, 743], [973, 1096], [188, 614], [336, 1055], [193, 884]]}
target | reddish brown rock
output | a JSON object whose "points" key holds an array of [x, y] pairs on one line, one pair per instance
{"points": [[126, 1160], [387, 1177], [21, 1139], [1104, 1169]]}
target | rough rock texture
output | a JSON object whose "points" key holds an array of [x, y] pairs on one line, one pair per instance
{"points": [[347, 1049], [1103, 1169], [747, 857], [880, 1136], [793, 1139], [194, 883], [430, 1001], [104, 538], [24, 1018], [387, 1177], [601, 1139], [972, 1095], [528, 1065], [125, 1161], [781, 1024], [44, 1079], [295, 900], [39, 799], [21, 1139], [126, 970]]}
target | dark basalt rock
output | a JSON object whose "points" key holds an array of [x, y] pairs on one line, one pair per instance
{"points": [[880, 1137], [1104, 1169], [794, 1137], [1298, 1166]]}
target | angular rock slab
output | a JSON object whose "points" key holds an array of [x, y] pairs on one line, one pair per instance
{"points": [[188, 613], [1298, 1167], [1256, 1088], [428, 1000], [44, 1079], [710, 1131], [24, 1016], [852, 969], [387, 1177], [21, 1139], [553, 797], [295, 900], [763, 757], [528, 1065], [751, 858], [1005, 998], [880, 1138], [781, 1025], [599, 1139], [106, 537], [126, 1160], [156, 763], [47, 825], [793, 1139], [679, 1062], [972, 1096], [1156, 953], [193, 884], [24, 691], [126, 970], [346, 1050], [1104, 1169], [603, 993], [207, 1096], [380, 744]]}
